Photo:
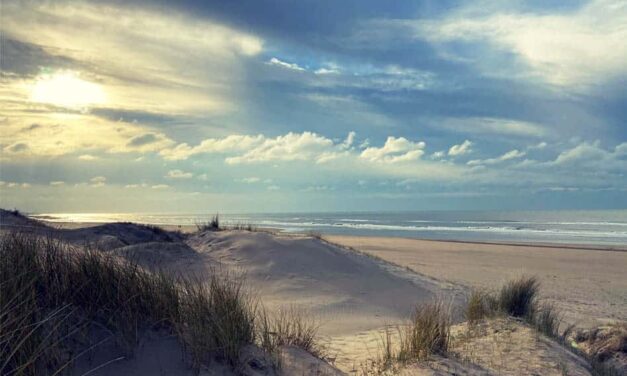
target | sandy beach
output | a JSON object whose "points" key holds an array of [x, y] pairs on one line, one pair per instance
{"points": [[589, 285]]}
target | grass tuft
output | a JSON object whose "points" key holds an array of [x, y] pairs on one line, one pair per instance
{"points": [[517, 298], [428, 333], [289, 327], [480, 305], [547, 320], [212, 225]]}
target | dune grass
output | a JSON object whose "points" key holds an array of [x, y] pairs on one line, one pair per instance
{"points": [[426, 334], [50, 291], [212, 225], [289, 327], [516, 298]]}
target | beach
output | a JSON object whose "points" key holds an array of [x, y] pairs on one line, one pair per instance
{"points": [[589, 285], [357, 289]]}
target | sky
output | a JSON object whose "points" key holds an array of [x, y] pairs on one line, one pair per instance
{"points": [[277, 106]]}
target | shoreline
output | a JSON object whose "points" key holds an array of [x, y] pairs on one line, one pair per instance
{"points": [[192, 228]]}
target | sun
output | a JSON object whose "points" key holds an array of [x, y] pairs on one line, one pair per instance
{"points": [[66, 89]]}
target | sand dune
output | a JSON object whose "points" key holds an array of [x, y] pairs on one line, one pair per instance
{"points": [[347, 291]]}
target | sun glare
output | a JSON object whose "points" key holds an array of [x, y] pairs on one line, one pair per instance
{"points": [[66, 89]]}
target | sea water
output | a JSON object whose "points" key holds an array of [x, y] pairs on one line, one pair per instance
{"points": [[590, 227]]}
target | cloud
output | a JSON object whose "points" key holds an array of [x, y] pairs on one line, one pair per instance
{"points": [[273, 188], [87, 157], [73, 133], [57, 183], [326, 71], [160, 186], [311, 148], [592, 155], [13, 184], [178, 174], [395, 150], [228, 144], [581, 47], [98, 181], [538, 146], [69, 37], [348, 142], [491, 126], [250, 180], [283, 64], [289, 147], [142, 140], [512, 154], [461, 149], [16, 148]]}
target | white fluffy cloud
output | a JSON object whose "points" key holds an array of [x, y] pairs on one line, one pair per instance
{"points": [[461, 149], [395, 150], [229, 144], [289, 147]]}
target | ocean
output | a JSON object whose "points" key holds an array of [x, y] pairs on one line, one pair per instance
{"points": [[589, 227]]}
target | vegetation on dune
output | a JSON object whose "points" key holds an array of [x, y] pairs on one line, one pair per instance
{"points": [[215, 224], [426, 334], [289, 327], [519, 298], [51, 293], [212, 225]]}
